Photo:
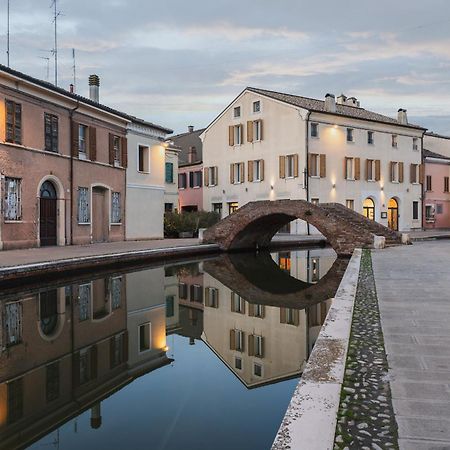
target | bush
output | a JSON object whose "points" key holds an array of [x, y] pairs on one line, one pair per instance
{"points": [[175, 223]]}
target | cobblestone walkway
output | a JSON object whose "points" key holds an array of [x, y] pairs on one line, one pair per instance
{"points": [[366, 418]]}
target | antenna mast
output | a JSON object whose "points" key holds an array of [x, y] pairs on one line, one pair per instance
{"points": [[7, 32], [74, 72], [56, 14]]}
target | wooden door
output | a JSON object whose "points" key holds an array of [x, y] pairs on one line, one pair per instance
{"points": [[99, 215], [48, 215]]}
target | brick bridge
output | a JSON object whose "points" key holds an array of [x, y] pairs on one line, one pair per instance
{"points": [[254, 224]]}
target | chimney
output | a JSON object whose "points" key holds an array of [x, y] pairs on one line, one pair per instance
{"points": [[351, 101], [402, 117], [341, 99], [330, 103], [191, 128], [192, 155], [94, 86], [71, 88]]}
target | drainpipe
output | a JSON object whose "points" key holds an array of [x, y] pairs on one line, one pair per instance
{"points": [[71, 112], [422, 190], [306, 172]]}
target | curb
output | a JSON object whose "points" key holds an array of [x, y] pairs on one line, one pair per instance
{"points": [[310, 420]]}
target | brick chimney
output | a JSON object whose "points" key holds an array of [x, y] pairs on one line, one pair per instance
{"points": [[192, 155], [402, 117], [94, 87], [341, 99], [330, 103]]}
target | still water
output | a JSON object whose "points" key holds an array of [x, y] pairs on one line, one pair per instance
{"points": [[194, 355]]}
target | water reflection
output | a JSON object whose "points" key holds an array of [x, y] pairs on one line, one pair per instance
{"points": [[65, 349]]}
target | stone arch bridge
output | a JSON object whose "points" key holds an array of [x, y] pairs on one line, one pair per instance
{"points": [[254, 224]]}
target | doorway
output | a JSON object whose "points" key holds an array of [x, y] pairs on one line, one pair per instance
{"points": [[369, 208], [393, 214], [47, 214], [99, 215]]}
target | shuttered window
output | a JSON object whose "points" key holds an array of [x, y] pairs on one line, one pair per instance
{"points": [[116, 292], [211, 297], [446, 184], [84, 302], [84, 211], [211, 176], [237, 174], [256, 170], [256, 346], [13, 122], [51, 132], [116, 212], [169, 172], [182, 181], [13, 199], [237, 340], [237, 303], [288, 166], [12, 323], [82, 140]]}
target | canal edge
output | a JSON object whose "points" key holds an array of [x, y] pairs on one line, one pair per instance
{"points": [[311, 417]]}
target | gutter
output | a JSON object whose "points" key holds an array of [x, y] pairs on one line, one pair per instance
{"points": [[71, 112], [306, 172], [422, 190]]}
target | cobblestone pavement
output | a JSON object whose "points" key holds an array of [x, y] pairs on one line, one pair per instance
{"points": [[366, 417]]}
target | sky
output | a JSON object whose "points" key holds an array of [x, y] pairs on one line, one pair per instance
{"points": [[180, 63]]}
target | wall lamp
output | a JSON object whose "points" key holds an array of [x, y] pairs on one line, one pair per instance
{"points": [[334, 186], [271, 187]]}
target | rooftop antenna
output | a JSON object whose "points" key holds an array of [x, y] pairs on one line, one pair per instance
{"points": [[7, 32], [48, 65], [74, 71], [56, 14]]}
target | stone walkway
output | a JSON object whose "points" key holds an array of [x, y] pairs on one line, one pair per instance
{"points": [[413, 287]]}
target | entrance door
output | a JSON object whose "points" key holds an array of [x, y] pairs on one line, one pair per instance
{"points": [[47, 214], [99, 215], [393, 214], [369, 208]]}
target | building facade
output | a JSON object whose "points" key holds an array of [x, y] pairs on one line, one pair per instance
{"points": [[145, 180], [267, 145], [171, 178]]}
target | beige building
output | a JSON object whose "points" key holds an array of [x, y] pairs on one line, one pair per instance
{"points": [[267, 145], [145, 180]]}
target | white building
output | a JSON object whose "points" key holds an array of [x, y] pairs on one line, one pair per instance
{"points": [[145, 180], [171, 178], [267, 145]]}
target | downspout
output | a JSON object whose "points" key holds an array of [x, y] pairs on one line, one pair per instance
{"points": [[71, 112], [306, 172], [422, 190]]}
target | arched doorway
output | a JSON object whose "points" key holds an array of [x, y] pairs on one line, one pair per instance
{"points": [[369, 208], [393, 214], [47, 214]]}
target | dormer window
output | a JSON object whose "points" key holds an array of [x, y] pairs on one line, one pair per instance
{"points": [[237, 111]]}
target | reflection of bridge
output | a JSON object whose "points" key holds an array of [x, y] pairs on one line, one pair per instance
{"points": [[253, 225], [258, 279]]}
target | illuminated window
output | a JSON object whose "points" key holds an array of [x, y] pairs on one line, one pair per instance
{"points": [[285, 261]]}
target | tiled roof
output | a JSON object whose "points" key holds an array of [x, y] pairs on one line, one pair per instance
{"points": [[88, 101], [315, 105], [430, 154], [437, 135]]}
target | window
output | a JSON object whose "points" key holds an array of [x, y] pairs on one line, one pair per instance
{"points": [[314, 130], [415, 210], [290, 166], [256, 106], [349, 134], [170, 306], [196, 293], [370, 170], [350, 204], [256, 170], [428, 184], [117, 350], [13, 323], [211, 176], [217, 208], [82, 140], [415, 144], [168, 207], [232, 207], [313, 165], [51, 132], [169, 172], [394, 172], [237, 173], [15, 400], [415, 175], [143, 159], [237, 134], [429, 213], [257, 130], [117, 150], [52, 382], [314, 270], [284, 261], [195, 179], [116, 213], [370, 137], [446, 184], [13, 122], [237, 111], [439, 208], [256, 311], [183, 291], [182, 181], [237, 303], [145, 337], [290, 316], [257, 370], [238, 363], [256, 346], [394, 141], [84, 211], [237, 340], [84, 302], [212, 297], [349, 172], [116, 292], [13, 198]]}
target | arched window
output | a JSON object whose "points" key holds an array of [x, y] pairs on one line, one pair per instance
{"points": [[369, 208]]}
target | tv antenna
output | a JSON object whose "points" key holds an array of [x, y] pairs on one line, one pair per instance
{"points": [[7, 32], [48, 65], [74, 71], [56, 14]]}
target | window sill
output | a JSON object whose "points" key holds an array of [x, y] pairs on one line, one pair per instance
{"points": [[350, 179], [143, 172], [13, 221], [82, 155], [315, 137], [371, 181], [350, 142], [314, 176], [196, 187], [84, 223], [395, 182], [115, 224], [211, 185], [237, 183], [257, 181]]}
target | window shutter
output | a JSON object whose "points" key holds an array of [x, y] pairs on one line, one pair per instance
{"points": [[310, 164], [55, 133], [323, 166], [232, 340], [232, 173], [93, 362], [111, 149], [125, 346], [231, 135], [400, 172], [9, 121], [295, 165], [296, 317], [345, 168], [75, 131], [282, 163], [263, 312], [206, 176], [17, 123], [251, 310], [251, 345], [216, 175], [112, 342], [123, 142], [261, 355], [92, 143], [76, 369], [249, 131], [261, 168], [412, 173], [391, 171], [242, 171], [377, 170], [47, 132], [421, 174], [367, 169], [207, 303], [282, 315], [357, 168], [250, 171], [261, 130]]}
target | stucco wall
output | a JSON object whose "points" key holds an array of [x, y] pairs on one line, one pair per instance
{"points": [[191, 196], [437, 196]]}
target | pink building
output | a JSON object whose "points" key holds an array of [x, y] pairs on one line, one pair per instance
{"points": [[190, 186], [436, 206]]}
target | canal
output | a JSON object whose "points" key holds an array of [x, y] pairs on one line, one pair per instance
{"points": [[193, 355]]}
